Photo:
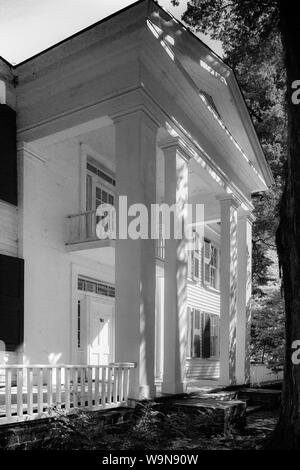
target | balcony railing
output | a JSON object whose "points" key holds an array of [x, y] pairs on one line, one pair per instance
{"points": [[83, 229], [35, 391]]}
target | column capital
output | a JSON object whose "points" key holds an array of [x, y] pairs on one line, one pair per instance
{"points": [[228, 199], [139, 111], [246, 215], [175, 144]]}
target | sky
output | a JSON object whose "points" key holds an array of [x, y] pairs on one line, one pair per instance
{"points": [[30, 26]]}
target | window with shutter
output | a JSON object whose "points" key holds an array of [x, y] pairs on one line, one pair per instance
{"points": [[8, 157], [196, 333], [204, 334], [11, 301]]}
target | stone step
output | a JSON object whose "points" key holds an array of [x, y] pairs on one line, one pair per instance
{"points": [[224, 395], [266, 398], [253, 409], [223, 415]]}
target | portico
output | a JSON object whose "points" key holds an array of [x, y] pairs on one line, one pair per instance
{"points": [[150, 113]]}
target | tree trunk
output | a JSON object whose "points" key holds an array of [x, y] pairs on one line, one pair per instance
{"points": [[287, 433]]}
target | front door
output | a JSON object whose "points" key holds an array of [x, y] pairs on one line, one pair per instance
{"points": [[100, 332]]}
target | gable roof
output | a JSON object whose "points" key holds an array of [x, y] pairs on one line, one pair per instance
{"points": [[206, 72]]}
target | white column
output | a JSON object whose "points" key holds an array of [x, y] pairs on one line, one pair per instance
{"points": [[245, 220], [159, 328], [228, 291], [176, 262], [135, 135]]}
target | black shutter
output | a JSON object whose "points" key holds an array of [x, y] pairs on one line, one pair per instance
{"points": [[206, 336], [11, 301], [8, 155]]}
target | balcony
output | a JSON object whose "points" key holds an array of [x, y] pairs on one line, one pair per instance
{"points": [[83, 234]]}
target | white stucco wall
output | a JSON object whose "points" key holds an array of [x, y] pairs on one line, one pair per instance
{"points": [[50, 192]]}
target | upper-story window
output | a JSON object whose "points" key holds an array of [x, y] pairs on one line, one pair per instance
{"points": [[100, 185], [196, 257], [211, 264]]}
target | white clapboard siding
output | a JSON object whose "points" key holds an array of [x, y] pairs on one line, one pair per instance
{"points": [[8, 229], [203, 298], [202, 369]]}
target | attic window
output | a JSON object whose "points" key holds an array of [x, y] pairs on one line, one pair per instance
{"points": [[211, 102]]}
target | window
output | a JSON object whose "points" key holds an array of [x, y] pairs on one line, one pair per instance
{"points": [[100, 185], [204, 334], [196, 257], [11, 302], [96, 287], [211, 265], [8, 159]]}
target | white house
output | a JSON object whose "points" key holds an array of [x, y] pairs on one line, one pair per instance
{"points": [[134, 105]]}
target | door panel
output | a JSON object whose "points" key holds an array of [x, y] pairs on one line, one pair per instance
{"points": [[100, 340]]}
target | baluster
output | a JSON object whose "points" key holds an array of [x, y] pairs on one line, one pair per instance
{"points": [[40, 390], [29, 391], [58, 388], [97, 385], [8, 377], [67, 388], [75, 387], [115, 386], [49, 388], [109, 388], [90, 387], [103, 386], [20, 392], [82, 387], [126, 383], [121, 384]]}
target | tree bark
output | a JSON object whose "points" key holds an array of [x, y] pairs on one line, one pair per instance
{"points": [[287, 433]]}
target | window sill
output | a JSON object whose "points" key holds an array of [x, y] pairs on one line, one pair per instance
{"points": [[212, 359], [212, 289]]}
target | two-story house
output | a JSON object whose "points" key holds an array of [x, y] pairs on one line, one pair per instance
{"points": [[134, 105]]}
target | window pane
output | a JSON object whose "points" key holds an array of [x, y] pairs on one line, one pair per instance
{"points": [[206, 272], [88, 193], [213, 277], [207, 249], [197, 349], [196, 267], [206, 336], [197, 320]]}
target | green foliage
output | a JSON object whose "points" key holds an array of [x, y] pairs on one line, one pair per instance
{"points": [[150, 426], [72, 432], [251, 42], [268, 328]]}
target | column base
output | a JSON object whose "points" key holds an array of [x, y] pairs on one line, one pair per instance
{"points": [[173, 388], [143, 392]]}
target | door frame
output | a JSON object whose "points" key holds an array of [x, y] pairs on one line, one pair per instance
{"points": [[105, 275], [108, 302]]}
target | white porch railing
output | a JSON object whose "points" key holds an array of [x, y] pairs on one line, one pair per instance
{"points": [[83, 228], [32, 391]]}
